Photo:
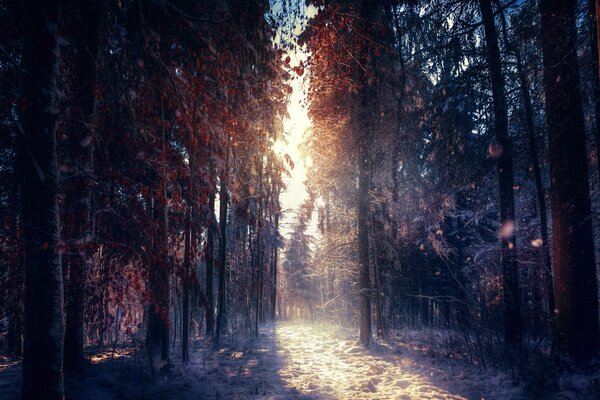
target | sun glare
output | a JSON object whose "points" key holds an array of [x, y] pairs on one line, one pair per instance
{"points": [[295, 127]]}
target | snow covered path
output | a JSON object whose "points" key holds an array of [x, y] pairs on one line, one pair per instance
{"points": [[321, 361], [326, 362], [288, 361]]}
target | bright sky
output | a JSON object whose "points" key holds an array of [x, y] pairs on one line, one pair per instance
{"points": [[295, 127]]}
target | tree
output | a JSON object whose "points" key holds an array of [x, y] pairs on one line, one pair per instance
{"points": [[82, 22], [38, 170], [512, 298], [575, 286], [210, 257], [300, 294], [535, 166], [11, 283], [593, 9], [223, 202]]}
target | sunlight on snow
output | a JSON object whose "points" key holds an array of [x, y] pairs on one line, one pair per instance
{"points": [[325, 361], [109, 355]]}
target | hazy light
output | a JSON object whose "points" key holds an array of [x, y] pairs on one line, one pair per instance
{"points": [[507, 230], [537, 242], [295, 126]]}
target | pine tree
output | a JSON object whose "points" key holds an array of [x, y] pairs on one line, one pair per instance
{"points": [[575, 283]]}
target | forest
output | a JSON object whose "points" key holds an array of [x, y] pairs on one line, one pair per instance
{"points": [[299, 199]]}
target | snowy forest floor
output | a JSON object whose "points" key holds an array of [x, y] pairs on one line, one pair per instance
{"points": [[301, 361]]}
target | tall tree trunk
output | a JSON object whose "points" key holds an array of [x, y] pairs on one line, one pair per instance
{"points": [[84, 20], [364, 279], [539, 187], [39, 176], [274, 273], [594, 11], [537, 172], [210, 259], [393, 20], [223, 199], [257, 261], [165, 319], [364, 181], [157, 337], [576, 315], [512, 311], [378, 259], [14, 299], [185, 317], [380, 320], [593, 8], [259, 255], [189, 258]]}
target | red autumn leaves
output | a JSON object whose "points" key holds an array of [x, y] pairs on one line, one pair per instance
{"points": [[299, 69]]}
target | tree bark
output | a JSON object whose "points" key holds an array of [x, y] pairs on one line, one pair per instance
{"points": [[512, 311], [14, 302], [185, 317], [210, 257], [223, 199], [39, 176], [274, 273], [364, 279], [257, 282], [361, 138], [537, 174], [593, 8], [576, 315], [84, 20], [258, 251], [157, 337]]}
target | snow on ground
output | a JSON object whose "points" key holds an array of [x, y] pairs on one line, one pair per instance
{"points": [[293, 361], [326, 361]]}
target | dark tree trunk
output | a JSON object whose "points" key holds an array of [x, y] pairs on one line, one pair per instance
{"points": [[392, 17], [223, 199], [185, 317], [537, 174], [593, 6], [361, 137], [39, 176], [14, 299], [257, 281], [274, 274], [512, 312], [576, 315], [379, 259], [380, 318], [364, 279], [539, 187], [83, 21], [157, 337], [210, 259], [261, 283], [259, 256], [189, 256]]}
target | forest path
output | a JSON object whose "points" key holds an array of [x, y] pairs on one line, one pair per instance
{"points": [[326, 362], [301, 361]]}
